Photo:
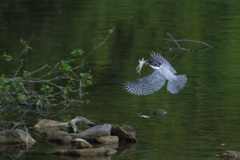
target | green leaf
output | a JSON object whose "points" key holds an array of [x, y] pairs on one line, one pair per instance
{"points": [[25, 73], [65, 92], [8, 58], [22, 41], [83, 75], [65, 67], [77, 52], [22, 98], [110, 31], [122, 127]]}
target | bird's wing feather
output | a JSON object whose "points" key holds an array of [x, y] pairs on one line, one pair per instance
{"points": [[160, 59], [146, 85]]}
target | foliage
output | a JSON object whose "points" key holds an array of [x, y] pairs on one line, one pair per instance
{"points": [[6, 57], [62, 83]]}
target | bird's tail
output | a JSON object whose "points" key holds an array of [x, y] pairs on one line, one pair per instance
{"points": [[177, 84]]}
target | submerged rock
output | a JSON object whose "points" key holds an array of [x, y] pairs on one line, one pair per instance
{"points": [[58, 136], [94, 132], [124, 132], [159, 112], [81, 143], [108, 140], [15, 137], [228, 154], [87, 152]]}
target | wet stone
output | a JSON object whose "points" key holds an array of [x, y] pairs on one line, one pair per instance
{"points": [[94, 132]]}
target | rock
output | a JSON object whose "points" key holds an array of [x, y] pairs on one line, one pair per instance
{"points": [[87, 152], [44, 125], [58, 136], [81, 143], [60, 147], [159, 112], [108, 139], [15, 137], [47, 123], [124, 132], [114, 146], [94, 132], [66, 139], [228, 154]]}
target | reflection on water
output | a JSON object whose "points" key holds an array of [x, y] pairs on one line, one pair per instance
{"points": [[204, 115], [13, 151]]}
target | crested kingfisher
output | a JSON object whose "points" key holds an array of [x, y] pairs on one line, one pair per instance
{"points": [[163, 71]]}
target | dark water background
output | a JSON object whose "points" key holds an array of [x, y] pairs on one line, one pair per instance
{"points": [[202, 120]]}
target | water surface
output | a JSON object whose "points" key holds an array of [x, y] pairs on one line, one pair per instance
{"points": [[202, 120]]}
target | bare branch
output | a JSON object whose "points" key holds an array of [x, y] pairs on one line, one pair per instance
{"points": [[18, 70], [180, 49], [16, 124], [174, 40], [80, 66], [29, 40], [105, 39], [188, 40], [80, 89], [25, 50], [45, 66], [26, 129], [80, 119]]}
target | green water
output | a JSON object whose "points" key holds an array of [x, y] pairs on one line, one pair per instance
{"points": [[202, 120]]}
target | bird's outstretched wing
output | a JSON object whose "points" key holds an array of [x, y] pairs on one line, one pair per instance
{"points": [[146, 85], [160, 59]]}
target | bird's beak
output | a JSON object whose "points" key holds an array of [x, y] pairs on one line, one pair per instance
{"points": [[140, 65]]}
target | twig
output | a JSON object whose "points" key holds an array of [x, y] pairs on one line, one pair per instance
{"points": [[188, 40], [80, 119], [26, 129], [29, 40], [32, 80], [16, 124], [24, 114], [46, 81], [25, 49], [75, 74], [178, 52], [80, 66], [104, 39], [100, 44], [18, 70], [174, 40], [45, 66], [80, 89], [180, 49], [24, 89], [54, 67]]}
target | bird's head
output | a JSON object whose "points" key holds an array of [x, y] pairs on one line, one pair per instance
{"points": [[151, 63]]}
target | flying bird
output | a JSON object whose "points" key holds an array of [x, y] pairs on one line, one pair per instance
{"points": [[163, 71]]}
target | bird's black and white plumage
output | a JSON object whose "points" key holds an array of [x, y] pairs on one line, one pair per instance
{"points": [[163, 71]]}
